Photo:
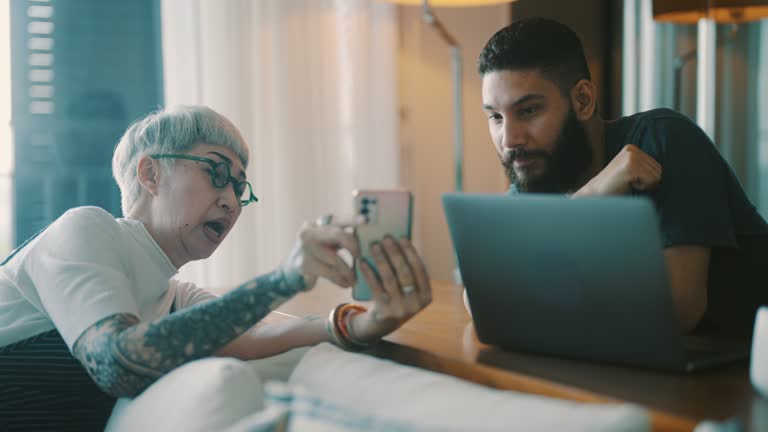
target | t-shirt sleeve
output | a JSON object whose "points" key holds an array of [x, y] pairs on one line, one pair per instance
{"points": [[692, 199], [78, 272], [188, 294]]}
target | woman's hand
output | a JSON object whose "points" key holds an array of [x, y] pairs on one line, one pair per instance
{"points": [[401, 291], [316, 254]]}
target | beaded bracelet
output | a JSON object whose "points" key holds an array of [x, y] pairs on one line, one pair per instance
{"points": [[336, 321], [333, 331], [345, 312], [330, 327]]}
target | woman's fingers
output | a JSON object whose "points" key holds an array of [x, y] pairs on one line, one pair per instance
{"points": [[398, 263], [408, 285], [400, 266], [381, 299], [337, 267], [321, 269], [403, 276], [335, 236], [323, 243], [419, 271], [388, 279]]}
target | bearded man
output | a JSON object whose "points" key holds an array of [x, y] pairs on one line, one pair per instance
{"points": [[541, 108]]}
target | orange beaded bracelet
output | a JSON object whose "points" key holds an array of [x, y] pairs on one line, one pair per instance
{"points": [[347, 311], [339, 330]]}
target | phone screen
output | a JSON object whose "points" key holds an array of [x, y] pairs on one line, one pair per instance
{"points": [[383, 212]]}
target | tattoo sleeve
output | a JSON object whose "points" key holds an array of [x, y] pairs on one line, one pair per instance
{"points": [[124, 356]]}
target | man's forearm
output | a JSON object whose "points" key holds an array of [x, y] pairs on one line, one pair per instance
{"points": [[270, 339], [583, 191], [688, 268], [148, 350]]}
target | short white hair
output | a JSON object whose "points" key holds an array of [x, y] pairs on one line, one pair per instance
{"points": [[173, 130]]}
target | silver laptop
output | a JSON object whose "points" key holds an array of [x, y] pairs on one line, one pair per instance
{"points": [[583, 278]]}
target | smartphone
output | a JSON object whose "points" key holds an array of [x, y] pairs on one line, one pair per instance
{"points": [[381, 212]]}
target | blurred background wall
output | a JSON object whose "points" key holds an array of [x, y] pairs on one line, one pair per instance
{"points": [[332, 95]]}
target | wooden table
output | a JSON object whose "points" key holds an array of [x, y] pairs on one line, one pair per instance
{"points": [[441, 338]]}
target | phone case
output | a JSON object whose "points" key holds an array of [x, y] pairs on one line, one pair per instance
{"points": [[384, 212]]}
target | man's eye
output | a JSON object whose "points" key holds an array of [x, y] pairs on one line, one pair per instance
{"points": [[529, 111], [495, 117]]}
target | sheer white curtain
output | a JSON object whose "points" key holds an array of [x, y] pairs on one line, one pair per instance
{"points": [[312, 86]]}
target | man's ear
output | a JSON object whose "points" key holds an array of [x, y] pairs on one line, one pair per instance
{"points": [[584, 99], [148, 173]]}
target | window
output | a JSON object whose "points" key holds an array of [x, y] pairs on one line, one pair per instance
{"points": [[6, 140], [762, 113], [80, 73], [654, 51]]}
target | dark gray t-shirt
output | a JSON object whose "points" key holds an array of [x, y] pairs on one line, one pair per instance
{"points": [[701, 202]]}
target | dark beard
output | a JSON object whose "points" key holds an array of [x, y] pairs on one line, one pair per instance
{"points": [[563, 168]]}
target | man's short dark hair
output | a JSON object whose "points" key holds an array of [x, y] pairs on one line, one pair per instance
{"points": [[542, 44]]}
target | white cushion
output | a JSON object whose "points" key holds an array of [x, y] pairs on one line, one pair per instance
{"points": [[204, 395], [332, 389], [369, 385], [293, 409]]}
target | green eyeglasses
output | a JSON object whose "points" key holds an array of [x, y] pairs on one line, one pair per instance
{"points": [[221, 176]]}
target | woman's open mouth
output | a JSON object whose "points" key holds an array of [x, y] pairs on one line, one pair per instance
{"points": [[215, 230]]}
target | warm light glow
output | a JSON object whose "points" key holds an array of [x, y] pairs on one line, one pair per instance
{"points": [[721, 11], [450, 3]]}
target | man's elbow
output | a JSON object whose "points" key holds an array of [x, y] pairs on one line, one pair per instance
{"points": [[690, 313]]}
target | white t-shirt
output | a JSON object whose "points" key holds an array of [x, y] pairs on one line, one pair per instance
{"points": [[84, 267]]}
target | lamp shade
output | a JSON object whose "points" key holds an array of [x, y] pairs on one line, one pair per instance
{"points": [[721, 11], [450, 3]]}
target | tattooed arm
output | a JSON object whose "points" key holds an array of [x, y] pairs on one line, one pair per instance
{"points": [[270, 339], [124, 356]]}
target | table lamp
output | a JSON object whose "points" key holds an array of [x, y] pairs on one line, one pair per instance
{"points": [[721, 11]]}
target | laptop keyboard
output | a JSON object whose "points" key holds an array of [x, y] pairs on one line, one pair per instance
{"points": [[699, 349], [703, 344]]}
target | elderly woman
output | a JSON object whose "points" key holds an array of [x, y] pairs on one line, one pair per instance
{"points": [[90, 309]]}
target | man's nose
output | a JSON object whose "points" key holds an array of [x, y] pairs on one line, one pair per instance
{"points": [[514, 135]]}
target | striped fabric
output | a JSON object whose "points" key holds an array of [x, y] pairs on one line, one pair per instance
{"points": [[44, 388]]}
